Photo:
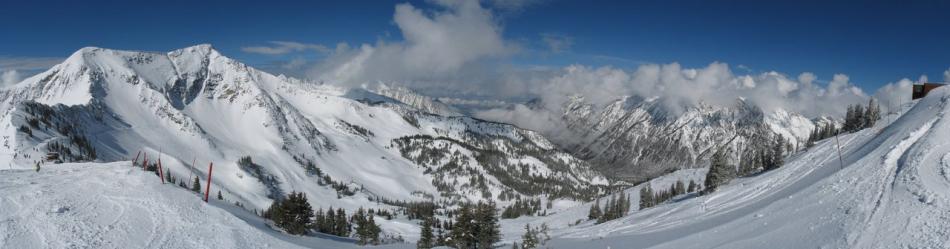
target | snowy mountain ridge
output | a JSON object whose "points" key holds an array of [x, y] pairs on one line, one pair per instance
{"points": [[416, 100], [196, 104], [637, 139]]}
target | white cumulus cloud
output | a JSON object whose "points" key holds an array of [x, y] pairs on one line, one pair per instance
{"points": [[436, 44]]}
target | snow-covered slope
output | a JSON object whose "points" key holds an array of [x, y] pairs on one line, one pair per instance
{"points": [[113, 205], [889, 190], [342, 147]]}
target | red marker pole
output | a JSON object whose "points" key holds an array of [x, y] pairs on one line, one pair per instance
{"points": [[161, 174], [136, 158], [145, 161], [208, 187]]}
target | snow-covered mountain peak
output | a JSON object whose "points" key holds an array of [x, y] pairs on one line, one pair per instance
{"points": [[105, 105]]}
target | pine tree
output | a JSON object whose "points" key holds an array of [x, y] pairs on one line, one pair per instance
{"points": [[776, 155], [358, 218], [196, 185], [426, 239], [530, 238], [318, 220], [680, 187], [168, 175], [219, 195], [849, 119], [812, 138], [859, 120], [872, 114], [691, 188], [362, 229], [463, 230], [607, 211], [373, 230], [329, 222], [367, 231], [594, 212], [301, 214], [274, 212], [646, 197], [293, 214], [487, 229], [720, 171], [341, 227]]}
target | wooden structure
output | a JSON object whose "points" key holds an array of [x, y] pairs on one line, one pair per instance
{"points": [[921, 90]]}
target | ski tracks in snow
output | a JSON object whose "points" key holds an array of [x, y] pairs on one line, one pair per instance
{"points": [[886, 179]]}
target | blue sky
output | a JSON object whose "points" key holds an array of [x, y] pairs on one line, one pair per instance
{"points": [[873, 43]]}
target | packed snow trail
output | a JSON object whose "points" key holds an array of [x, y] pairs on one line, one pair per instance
{"points": [[891, 193], [114, 205]]}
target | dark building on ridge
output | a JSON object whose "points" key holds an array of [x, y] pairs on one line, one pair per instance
{"points": [[921, 90]]}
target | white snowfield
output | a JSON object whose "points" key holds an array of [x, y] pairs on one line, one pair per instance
{"points": [[893, 192], [113, 205]]}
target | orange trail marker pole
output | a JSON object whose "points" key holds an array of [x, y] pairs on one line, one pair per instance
{"points": [[136, 158], [208, 187], [145, 161]]}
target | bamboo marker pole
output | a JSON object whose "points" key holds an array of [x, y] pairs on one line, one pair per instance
{"points": [[208, 184]]}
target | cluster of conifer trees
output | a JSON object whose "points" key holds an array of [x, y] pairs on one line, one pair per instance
{"points": [[765, 157], [475, 226], [821, 132], [521, 207], [332, 222], [858, 117], [367, 232], [650, 197], [617, 206], [295, 215]]}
